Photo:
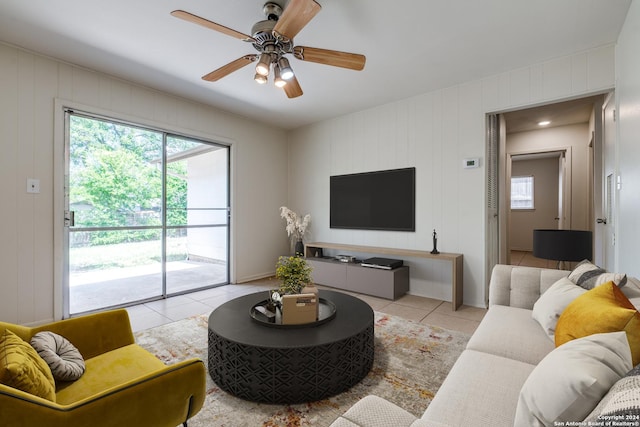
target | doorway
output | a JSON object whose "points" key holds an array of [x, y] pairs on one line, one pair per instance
{"points": [[536, 198], [146, 214], [519, 133]]}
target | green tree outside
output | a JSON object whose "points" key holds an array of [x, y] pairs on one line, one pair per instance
{"points": [[116, 179]]}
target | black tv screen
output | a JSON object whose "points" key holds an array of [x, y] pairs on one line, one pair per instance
{"points": [[381, 200]]}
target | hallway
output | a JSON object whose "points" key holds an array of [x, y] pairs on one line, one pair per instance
{"points": [[526, 259]]}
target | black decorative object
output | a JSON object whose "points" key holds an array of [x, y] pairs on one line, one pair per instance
{"points": [[435, 243], [287, 366], [299, 248], [563, 245]]}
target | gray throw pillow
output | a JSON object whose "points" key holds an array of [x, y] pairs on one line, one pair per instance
{"points": [[623, 399], [588, 276], [64, 360]]}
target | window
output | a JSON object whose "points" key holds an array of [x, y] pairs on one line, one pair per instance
{"points": [[522, 192]]}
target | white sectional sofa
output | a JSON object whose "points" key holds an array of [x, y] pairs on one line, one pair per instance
{"points": [[484, 386]]}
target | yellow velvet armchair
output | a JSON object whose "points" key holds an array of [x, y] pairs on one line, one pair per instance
{"points": [[123, 384]]}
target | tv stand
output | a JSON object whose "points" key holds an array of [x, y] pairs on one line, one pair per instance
{"points": [[339, 280]]}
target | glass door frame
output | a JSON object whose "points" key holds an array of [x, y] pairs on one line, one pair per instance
{"points": [[164, 227]]}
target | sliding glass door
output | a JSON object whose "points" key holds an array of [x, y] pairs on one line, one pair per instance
{"points": [[197, 214], [146, 214]]}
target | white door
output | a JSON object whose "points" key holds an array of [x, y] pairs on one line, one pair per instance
{"points": [[609, 185]]}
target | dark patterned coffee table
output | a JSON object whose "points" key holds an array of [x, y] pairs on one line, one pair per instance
{"points": [[276, 365]]}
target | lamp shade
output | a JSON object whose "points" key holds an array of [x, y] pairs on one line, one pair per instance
{"points": [[563, 245]]}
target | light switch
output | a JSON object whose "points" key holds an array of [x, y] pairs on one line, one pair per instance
{"points": [[33, 185]]}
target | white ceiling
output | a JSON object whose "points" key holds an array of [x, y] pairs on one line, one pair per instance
{"points": [[558, 114], [412, 46]]}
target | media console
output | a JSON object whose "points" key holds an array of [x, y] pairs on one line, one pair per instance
{"points": [[390, 284]]}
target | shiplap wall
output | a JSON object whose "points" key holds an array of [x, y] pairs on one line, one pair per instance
{"points": [[33, 88], [434, 132]]}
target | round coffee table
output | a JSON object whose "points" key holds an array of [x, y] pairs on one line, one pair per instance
{"points": [[275, 365]]}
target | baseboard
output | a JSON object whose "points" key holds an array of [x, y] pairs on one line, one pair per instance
{"points": [[256, 277]]}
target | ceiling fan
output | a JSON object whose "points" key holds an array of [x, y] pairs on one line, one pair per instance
{"points": [[273, 39]]}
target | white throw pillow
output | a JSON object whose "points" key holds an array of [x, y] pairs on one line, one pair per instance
{"points": [[552, 303], [570, 381]]}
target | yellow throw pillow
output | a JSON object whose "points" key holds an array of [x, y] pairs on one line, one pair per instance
{"points": [[21, 367], [602, 309]]}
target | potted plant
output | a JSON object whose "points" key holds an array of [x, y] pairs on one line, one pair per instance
{"points": [[295, 274]]}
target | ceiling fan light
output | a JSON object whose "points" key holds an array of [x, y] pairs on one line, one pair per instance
{"points": [[264, 64], [260, 79], [277, 78], [285, 68]]}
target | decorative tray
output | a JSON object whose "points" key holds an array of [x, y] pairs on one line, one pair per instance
{"points": [[326, 312]]}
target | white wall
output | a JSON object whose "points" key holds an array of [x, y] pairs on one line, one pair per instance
{"points": [[206, 185], [434, 132], [30, 147], [628, 107]]}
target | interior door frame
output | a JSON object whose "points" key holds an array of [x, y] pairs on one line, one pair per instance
{"points": [[564, 187], [608, 230]]}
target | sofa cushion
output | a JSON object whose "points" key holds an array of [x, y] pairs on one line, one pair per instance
{"points": [[521, 287], [588, 276], [571, 380], [373, 411], [64, 360], [109, 370], [512, 333], [547, 310], [602, 309], [481, 390], [21, 367]]}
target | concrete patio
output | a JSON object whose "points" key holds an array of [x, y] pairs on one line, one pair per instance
{"points": [[99, 289]]}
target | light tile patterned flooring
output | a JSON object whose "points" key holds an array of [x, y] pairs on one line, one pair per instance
{"points": [[419, 309], [527, 259]]}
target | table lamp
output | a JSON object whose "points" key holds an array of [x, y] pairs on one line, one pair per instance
{"points": [[563, 245]]}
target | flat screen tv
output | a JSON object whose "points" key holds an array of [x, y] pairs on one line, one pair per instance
{"points": [[381, 200]]}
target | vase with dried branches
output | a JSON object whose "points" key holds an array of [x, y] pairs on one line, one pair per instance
{"points": [[297, 228]]}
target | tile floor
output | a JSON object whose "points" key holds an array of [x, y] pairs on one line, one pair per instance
{"points": [[419, 309], [527, 259]]}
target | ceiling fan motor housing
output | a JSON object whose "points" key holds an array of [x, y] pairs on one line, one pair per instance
{"points": [[262, 32]]}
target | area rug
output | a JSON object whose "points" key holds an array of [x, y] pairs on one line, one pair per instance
{"points": [[411, 361]]}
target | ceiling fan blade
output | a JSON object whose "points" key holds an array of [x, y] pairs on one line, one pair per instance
{"points": [[297, 14], [211, 25], [352, 61], [232, 66], [292, 88]]}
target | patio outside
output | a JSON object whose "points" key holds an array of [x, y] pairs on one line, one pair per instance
{"points": [[126, 273]]}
